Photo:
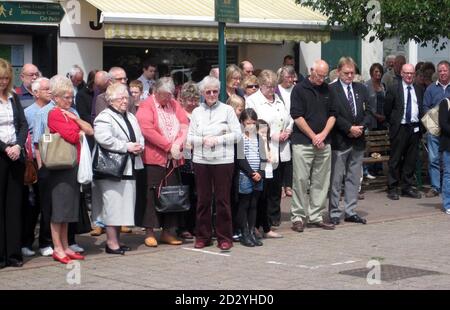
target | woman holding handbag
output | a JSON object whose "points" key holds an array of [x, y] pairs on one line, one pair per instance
{"points": [[63, 185], [13, 133], [113, 200], [164, 125]]}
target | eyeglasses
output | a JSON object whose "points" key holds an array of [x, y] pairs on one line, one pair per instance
{"points": [[121, 79], [67, 98], [252, 86], [32, 74], [211, 92], [124, 98]]}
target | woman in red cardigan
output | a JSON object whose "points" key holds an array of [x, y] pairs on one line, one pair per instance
{"points": [[65, 190], [164, 125]]}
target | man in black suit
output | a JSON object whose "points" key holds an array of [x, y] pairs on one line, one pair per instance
{"points": [[403, 108], [348, 142]]}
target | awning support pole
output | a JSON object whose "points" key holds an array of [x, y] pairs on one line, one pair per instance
{"points": [[222, 61]]}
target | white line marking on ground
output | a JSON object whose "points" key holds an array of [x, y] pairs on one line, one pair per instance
{"points": [[313, 267], [206, 252]]}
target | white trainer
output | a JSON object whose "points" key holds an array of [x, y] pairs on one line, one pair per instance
{"points": [[76, 248], [447, 211], [370, 177], [27, 252], [47, 251]]}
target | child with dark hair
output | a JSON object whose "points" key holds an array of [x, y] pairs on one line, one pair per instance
{"points": [[250, 162]]}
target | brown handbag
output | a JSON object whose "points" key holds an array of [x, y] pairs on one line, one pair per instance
{"points": [[30, 176]]}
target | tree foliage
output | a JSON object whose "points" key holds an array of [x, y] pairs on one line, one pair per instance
{"points": [[424, 21]]}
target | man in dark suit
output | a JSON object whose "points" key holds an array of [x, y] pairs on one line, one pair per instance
{"points": [[348, 142], [403, 108]]}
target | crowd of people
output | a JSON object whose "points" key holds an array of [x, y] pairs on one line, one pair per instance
{"points": [[277, 134]]}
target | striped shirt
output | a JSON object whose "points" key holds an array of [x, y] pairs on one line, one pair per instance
{"points": [[251, 152]]}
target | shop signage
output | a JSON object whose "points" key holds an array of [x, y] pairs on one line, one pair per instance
{"points": [[35, 12], [227, 11]]}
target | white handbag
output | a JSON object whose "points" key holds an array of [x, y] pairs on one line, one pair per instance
{"points": [[85, 167]]}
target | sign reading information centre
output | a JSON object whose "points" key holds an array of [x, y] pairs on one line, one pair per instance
{"points": [[227, 11], [30, 12]]}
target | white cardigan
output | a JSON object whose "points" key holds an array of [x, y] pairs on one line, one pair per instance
{"points": [[110, 136], [278, 118]]}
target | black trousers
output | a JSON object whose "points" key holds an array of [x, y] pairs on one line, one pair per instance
{"points": [[188, 220], [403, 157], [286, 171], [11, 186], [272, 190], [247, 210]]}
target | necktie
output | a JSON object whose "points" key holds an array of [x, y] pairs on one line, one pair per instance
{"points": [[350, 100], [408, 106]]}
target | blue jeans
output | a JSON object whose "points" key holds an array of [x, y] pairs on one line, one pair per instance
{"points": [[446, 180], [434, 161]]}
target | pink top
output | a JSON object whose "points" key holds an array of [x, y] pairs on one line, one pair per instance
{"points": [[158, 141]]}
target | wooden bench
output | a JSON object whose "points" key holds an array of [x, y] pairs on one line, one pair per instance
{"points": [[377, 142]]}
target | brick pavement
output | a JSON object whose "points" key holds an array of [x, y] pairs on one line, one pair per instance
{"points": [[410, 233]]}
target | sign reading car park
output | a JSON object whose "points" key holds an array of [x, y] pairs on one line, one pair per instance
{"points": [[227, 11], [36, 12]]}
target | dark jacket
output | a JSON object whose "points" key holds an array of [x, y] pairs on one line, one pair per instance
{"points": [[84, 104], [20, 123], [313, 103], [345, 119], [241, 164], [394, 107], [444, 123]]}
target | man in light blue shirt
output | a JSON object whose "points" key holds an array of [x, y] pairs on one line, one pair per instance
{"points": [[434, 94]]}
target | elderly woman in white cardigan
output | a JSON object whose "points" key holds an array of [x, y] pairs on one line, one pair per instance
{"points": [[269, 107], [113, 201]]}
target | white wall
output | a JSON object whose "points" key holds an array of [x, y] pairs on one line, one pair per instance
{"points": [[266, 56], [370, 53], [430, 54], [309, 52], [87, 53]]}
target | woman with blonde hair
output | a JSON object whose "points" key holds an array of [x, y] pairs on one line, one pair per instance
{"points": [[233, 81], [13, 133], [250, 85]]}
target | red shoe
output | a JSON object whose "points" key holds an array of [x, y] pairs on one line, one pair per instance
{"points": [[75, 255], [63, 260], [199, 244], [225, 246]]}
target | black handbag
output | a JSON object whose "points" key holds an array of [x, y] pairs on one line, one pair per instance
{"points": [[174, 198], [108, 164]]}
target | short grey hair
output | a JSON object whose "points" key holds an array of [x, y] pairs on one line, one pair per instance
{"points": [[285, 70], [267, 77], [74, 70], [36, 85], [114, 90], [164, 84], [208, 81], [59, 85]]}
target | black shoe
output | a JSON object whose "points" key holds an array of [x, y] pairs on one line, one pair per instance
{"points": [[245, 238], [13, 262], [118, 251], [355, 219], [335, 221], [412, 193], [253, 238], [392, 194], [125, 248]]}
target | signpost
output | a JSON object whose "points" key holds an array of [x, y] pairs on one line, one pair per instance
{"points": [[35, 12], [226, 11]]}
